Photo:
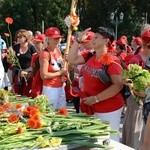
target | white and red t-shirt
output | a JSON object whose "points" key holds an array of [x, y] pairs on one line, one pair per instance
{"points": [[92, 85], [55, 59]]}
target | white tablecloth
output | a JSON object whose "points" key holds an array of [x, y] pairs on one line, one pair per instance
{"points": [[116, 145]]}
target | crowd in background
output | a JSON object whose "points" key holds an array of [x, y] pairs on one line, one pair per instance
{"points": [[41, 58]]}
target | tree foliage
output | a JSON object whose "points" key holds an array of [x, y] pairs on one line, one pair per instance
{"points": [[97, 13], [28, 14]]}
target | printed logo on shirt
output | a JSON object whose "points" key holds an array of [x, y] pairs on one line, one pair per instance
{"points": [[92, 71], [57, 64]]}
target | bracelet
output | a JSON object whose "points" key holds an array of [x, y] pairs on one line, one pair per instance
{"points": [[96, 100]]}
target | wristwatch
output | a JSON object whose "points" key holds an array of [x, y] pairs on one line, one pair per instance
{"points": [[96, 99]]}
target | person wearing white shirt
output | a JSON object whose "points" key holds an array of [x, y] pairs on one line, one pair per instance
{"points": [[1, 71]]}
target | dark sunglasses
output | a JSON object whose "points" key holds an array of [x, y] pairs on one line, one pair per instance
{"points": [[20, 37]]}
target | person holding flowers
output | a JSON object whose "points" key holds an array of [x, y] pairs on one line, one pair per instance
{"points": [[1, 71], [134, 124], [100, 97], [24, 52]]}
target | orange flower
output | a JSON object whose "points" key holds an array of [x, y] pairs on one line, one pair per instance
{"points": [[75, 20], [38, 124], [106, 59], [35, 117], [36, 106], [7, 34], [30, 110], [31, 123], [9, 20], [13, 118], [2, 109], [19, 130], [7, 106], [18, 106], [33, 112], [34, 122], [63, 111]]}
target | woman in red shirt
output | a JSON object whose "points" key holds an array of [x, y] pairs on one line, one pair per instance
{"points": [[51, 69], [103, 99]]}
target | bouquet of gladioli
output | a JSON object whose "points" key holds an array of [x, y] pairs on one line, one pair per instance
{"points": [[25, 126]]}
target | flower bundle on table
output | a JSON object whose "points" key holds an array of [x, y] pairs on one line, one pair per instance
{"points": [[25, 126], [4, 96]]}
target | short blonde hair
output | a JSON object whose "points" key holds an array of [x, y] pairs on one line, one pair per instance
{"points": [[145, 27]]}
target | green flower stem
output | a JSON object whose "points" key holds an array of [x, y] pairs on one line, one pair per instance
{"points": [[7, 41], [15, 62], [10, 35], [18, 64]]}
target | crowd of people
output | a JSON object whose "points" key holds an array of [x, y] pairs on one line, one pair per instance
{"points": [[95, 63]]}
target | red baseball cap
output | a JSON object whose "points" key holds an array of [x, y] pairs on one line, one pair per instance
{"points": [[53, 32], [138, 40], [90, 36], [39, 38], [145, 35], [122, 42]]}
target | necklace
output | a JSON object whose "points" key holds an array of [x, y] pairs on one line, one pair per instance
{"points": [[22, 51]]}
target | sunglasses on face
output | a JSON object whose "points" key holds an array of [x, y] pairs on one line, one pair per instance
{"points": [[20, 37]]}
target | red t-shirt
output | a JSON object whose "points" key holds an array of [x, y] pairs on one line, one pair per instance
{"points": [[92, 85], [122, 55], [128, 58], [137, 59], [55, 59]]}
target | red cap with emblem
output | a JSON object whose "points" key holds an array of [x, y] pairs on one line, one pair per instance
{"points": [[137, 40], [53, 32], [39, 38]]}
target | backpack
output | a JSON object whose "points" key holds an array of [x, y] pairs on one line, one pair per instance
{"points": [[37, 81], [37, 85], [125, 90], [104, 77]]}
